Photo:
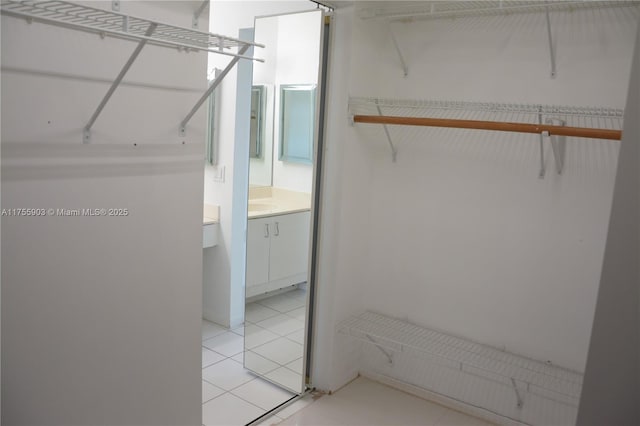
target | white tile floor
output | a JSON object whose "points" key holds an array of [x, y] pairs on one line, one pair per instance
{"points": [[275, 337], [233, 395], [365, 402]]}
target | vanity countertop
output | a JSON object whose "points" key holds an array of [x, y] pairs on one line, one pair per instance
{"points": [[269, 201], [210, 214]]}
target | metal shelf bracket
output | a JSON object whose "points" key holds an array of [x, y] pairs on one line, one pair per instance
{"points": [[558, 145], [215, 83], [394, 151], [405, 68], [519, 400], [552, 53], [198, 12], [114, 24], [86, 134], [543, 169], [383, 350], [542, 136]]}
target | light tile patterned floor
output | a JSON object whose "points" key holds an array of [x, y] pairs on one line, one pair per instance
{"points": [[232, 395], [275, 337]]}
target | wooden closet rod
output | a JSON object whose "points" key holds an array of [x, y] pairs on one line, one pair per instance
{"points": [[582, 132]]}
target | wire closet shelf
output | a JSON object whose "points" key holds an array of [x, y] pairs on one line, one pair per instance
{"points": [[409, 11], [105, 22], [552, 121], [588, 122], [526, 375]]}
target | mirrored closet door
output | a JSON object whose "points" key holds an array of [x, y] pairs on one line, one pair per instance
{"points": [[283, 140]]}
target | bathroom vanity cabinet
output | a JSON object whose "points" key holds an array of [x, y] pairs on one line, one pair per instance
{"points": [[277, 252]]}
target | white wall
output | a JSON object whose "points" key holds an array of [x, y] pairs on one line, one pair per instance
{"points": [[227, 17], [460, 234], [240, 185], [611, 388], [344, 224], [98, 311]]}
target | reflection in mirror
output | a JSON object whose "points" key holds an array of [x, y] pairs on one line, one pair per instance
{"points": [[211, 154], [279, 209], [256, 135], [297, 118], [261, 135]]}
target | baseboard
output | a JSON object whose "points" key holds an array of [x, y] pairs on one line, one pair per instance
{"points": [[446, 401], [271, 293], [210, 315]]}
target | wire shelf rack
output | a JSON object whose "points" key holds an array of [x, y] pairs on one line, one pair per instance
{"points": [[105, 22], [526, 375], [553, 121], [408, 11], [596, 117]]}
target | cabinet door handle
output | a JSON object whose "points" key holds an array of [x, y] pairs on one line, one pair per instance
{"points": [[266, 230], [277, 230]]}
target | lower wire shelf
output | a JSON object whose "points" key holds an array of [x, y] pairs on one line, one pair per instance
{"points": [[526, 381]]}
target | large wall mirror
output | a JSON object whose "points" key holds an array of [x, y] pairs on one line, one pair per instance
{"points": [[281, 171], [297, 123], [258, 112]]}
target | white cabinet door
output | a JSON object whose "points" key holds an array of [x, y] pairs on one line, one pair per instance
{"points": [[258, 236], [289, 245]]}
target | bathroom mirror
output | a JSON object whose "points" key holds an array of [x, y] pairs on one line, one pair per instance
{"points": [[297, 122], [281, 173], [258, 111], [261, 135]]}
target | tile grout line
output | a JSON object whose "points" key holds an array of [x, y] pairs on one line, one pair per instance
{"points": [[255, 353], [273, 361], [286, 336], [278, 310], [214, 351], [230, 391], [278, 366], [226, 358], [238, 396], [283, 335]]}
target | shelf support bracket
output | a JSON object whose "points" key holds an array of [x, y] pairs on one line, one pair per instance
{"points": [[405, 68], [552, 53], [198, 12], [542, 135], [519, 400], [215, 83], [86, 134], [558, 145], [543, 170], [383, 350], [394, 151]]}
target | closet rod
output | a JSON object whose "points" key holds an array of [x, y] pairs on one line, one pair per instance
{"points": [[582, 132]]}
